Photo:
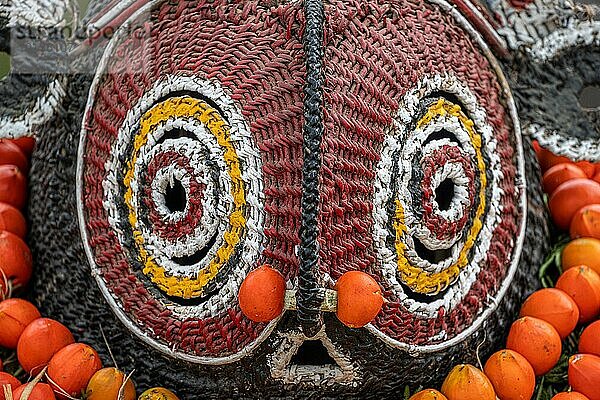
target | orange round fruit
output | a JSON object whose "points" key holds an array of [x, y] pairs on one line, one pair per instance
{"points": [[586, 222], [12, 220], [26, 144], [11, 154], [106, 384], [13, 186], [569, 197], [262, 294], [560, 174], [537, 341], [584, 375], [39, 342], [71, 369], [158, 394], [555, 307], [359, 299], [15, 315], [589, 341], [15, 260], [7, 380], [548, 159], [465, 382], [587, 167], [570, 396], [428, 394], [583, 285], [41, 391], [511, 375], [582, 251]]}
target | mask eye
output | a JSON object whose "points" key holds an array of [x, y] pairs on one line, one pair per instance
{"points": [[440, 201], [184, 195], [171, 209]]}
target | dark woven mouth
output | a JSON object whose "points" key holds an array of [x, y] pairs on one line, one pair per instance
{"points": [[309, 294]]}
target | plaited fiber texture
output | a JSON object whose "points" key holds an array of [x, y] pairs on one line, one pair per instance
{"points": [[309, 298], [386, 67]]}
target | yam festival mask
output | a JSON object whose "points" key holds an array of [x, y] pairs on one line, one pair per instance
{"points": [[204, 139]]}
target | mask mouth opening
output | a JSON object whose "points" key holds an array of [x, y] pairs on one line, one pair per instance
{"points": [[311, 361]]}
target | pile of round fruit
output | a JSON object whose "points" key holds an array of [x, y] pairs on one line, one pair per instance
{"points": [[550, 315], [46, 351]]}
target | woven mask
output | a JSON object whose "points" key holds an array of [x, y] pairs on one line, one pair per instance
{"points": [[207, 138]]}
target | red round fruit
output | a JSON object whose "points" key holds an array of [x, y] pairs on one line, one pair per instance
{"points": [[39, 342], [584, 375], [11, 154], [589, 342], [41, 391], [359, 299], [548, 159], [13, 186], [26, 144], [569, 197], [15, 260], [262, 294], [12, 220], [560, 174], [15, 315], [7, 379], [71, 369]]}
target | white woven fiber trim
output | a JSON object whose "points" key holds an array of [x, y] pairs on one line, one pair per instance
{"points": [[38, 13], [393, 146], [44, 108]]}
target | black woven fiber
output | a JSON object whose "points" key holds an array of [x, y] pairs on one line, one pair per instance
{"points": [[309, 295]]}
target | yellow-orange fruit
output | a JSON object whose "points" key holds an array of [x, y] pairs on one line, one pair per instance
{"points": [[15, 315], [511, 375], [589, 342], [582, 251], [586, 222], [570, 197], [359, 299], [555, 307], [158, 394], [71, 369], [584, 375], [12, 220], [548, 159], [428, 394], [570, 396], [537, 341], [583, 285], [106, 383], [262, 293], [465, 382], [40, 340], [560, 174]]}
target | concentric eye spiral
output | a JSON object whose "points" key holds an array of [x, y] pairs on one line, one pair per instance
{"points": [[437, 200], [438, 220], [184, 243]]}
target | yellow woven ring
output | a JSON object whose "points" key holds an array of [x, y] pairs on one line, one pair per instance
{"points": [[414, 277], [189, 108]]}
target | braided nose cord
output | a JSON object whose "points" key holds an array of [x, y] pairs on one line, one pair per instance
{"points": [[309, 296]]}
